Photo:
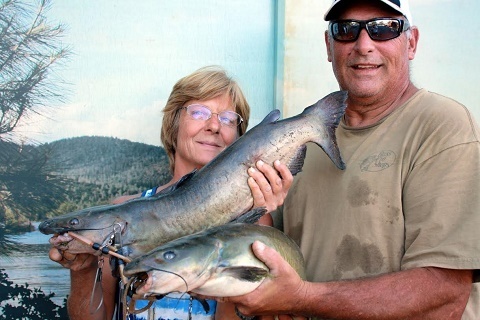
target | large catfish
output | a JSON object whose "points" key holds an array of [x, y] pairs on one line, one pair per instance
{"points": [[212, 196], [215, 262]]}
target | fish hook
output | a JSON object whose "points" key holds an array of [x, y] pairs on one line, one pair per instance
{"points": [[97, 281]]}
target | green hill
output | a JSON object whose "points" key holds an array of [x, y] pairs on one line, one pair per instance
{"points": [[74, 173], [121, 163]]}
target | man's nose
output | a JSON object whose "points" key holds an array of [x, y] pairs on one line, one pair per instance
{"points": [[364, 43]]}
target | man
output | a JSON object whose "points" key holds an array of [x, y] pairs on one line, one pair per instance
{"points": [[395, 235]]}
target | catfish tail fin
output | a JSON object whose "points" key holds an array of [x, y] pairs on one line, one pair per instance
{"points": [[330, 109]]}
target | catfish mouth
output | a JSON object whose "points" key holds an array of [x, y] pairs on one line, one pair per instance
{"points": [[140, 283], [46, 227], [61, 237], [61, 241], [65, 241], [51, 227]]}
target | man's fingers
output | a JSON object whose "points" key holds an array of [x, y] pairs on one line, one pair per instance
{"points": [[267, 255], [55, 255], [285, 174], [273, 180]]}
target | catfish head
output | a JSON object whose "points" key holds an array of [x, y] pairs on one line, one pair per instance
{"points": [[213, 262], [177, 266], [98, 224]]}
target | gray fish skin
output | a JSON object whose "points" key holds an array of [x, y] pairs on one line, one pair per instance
{"points": [[212, 196], [215, 262]]}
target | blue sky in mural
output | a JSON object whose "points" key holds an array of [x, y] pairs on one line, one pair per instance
{"points": [[121, 71]]}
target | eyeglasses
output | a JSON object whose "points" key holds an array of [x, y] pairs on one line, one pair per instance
{"points": [[201, 112], [379, 29]]}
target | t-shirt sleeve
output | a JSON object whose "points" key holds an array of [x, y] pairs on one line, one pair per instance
{"points": [[442, 210]]}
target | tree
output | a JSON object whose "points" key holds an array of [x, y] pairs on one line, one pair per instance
{"points": [[22, 302], [29, 49], [28, 189]]}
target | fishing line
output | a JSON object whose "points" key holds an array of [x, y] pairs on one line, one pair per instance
{"points": [[176, 274]]}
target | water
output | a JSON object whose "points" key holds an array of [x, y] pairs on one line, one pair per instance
{"points": [[31, 265]]}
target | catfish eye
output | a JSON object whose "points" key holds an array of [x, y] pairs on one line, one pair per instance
{"points": [[169, 255], [74, 222]]}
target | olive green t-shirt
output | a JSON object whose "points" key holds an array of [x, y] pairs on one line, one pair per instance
{"points": [[410, 196]]}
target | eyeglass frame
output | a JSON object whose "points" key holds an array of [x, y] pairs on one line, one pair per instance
{"points": [[240, 119], [404, 26]]}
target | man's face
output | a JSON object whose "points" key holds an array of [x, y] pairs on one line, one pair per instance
{"points": [[371, 69]]}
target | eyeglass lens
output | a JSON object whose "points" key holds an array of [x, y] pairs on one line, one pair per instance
{"points": [[380, 29], [201, 112]]}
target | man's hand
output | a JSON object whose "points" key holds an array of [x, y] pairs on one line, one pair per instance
{"points": [[269, 184], [276, 295], [74, 262]]}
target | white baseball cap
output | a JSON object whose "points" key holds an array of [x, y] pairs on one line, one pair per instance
{"points": [[398, 5]]}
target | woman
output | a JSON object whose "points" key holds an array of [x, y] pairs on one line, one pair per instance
{"points": [[205, 113]]}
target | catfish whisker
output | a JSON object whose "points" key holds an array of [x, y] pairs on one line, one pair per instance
{"points": [[176, 274]]}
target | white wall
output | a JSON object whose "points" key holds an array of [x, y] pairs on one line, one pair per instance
{"points": [[446, 62]]}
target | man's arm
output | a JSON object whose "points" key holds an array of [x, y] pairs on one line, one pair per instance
{"points": [[420, 293]]}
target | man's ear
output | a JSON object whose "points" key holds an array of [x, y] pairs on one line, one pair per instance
{"points": [[328, 44], [413, 42]]}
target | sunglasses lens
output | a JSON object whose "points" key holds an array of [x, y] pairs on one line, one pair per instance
{"points": [[378, 29], [383, 30], [345, 30]]}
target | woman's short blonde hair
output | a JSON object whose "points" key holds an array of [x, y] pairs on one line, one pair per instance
{"points": [[204, 84]]}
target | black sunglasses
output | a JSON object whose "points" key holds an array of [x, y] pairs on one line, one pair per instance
{"points": [[379, 29]]}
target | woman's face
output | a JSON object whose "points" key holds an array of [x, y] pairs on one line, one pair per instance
{"points": [[199, 141]]}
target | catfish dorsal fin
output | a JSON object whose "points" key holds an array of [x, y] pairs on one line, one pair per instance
{"points": [[273, 116], [177, 184]]}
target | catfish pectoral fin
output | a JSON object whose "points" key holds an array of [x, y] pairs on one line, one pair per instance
{"points": [[250, 274], [251, 216]]}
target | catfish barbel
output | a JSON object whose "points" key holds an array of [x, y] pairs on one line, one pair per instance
{"points": [[217, 262], [213, 195]]}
